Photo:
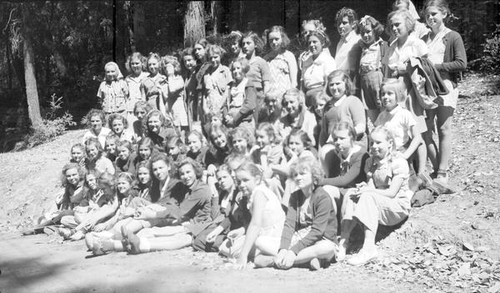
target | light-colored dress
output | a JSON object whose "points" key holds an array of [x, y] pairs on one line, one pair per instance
{"points": [[134, 89], [273, 216]]}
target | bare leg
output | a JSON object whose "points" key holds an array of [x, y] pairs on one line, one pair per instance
{"points": [[323, 249], [432, 149], [422, 159], [143, 245], [444, 123]]}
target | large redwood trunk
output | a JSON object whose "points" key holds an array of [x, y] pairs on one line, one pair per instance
{"points": [[194, 22], [29, 73]]}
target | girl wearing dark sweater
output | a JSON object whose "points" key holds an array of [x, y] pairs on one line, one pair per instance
{"points": [[310, 230]]}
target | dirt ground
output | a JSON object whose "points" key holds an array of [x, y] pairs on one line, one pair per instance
{"points": [[452, 245]]}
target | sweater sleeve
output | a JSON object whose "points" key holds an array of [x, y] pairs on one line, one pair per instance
{"points": [[248, 106], [355, 169], [357, 113], [323, 135], [456, 50], [322, 209], [290, 221]]}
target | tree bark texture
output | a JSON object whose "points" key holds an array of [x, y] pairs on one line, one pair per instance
{"points": [[194, 22], [29, 74]]}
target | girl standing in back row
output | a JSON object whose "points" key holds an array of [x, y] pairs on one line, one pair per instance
{"points": [[447, 52]]}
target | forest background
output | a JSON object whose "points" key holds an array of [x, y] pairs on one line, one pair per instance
{"points": [[52, 53]]}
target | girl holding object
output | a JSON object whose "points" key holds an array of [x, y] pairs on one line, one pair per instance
{"points": [[447, 52], [384, 199], [113, 92]]}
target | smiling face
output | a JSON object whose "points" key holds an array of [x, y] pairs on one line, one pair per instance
{"points": [[111, 146], [154, 123], [367, 34], [296, 145], [219, 139], [389, 98], [262, 138], [246, 182], [235, 48], [434, 17], [345, 27], [248, 47], [315, 46], [342, 141], [91, 181], [123, 186], [237, 72], [117, 126], [76, 154], [92, 151], [187, 174], [123, 153], [143, 175], [136, 66], [303, 178], [153, 66], [96, 123], [380, 145], [275, 41], [72, 176], [189, 62], [291, 105], [110, 72], [398, 26], [194, 143], [160, 170], [337, 87], [225, 180], [199, 51]]}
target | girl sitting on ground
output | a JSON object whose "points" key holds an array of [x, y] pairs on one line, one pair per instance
{"points": [[97, 205], [187, 214], [97, 160], [310, 231], [145, 148], [107, 235], [158, 129], [384, 199], [264, 231], [241, 141], [234, 214]]}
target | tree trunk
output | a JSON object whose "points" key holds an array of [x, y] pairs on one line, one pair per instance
{"points": [[29, 73], [194, 23], [215, 13]]}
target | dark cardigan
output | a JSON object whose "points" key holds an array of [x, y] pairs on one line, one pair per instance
{"points": [[455, 58]]}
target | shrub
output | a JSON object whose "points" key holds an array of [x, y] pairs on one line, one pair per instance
{"points": [[52, 125], [490, 61]]}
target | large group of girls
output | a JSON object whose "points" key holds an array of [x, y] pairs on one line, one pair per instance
{"points": [[245, 149]]}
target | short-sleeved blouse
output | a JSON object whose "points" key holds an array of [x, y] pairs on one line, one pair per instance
{"points": [[383, 173], [134, 89], [114, 96]]}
